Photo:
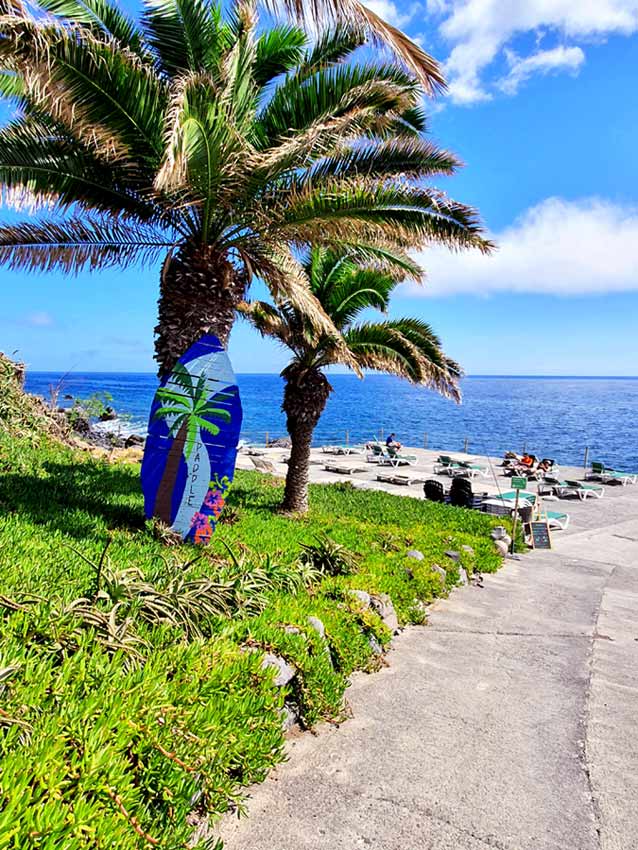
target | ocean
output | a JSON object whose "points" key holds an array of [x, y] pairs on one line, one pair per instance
{"points": [[549, 416]]}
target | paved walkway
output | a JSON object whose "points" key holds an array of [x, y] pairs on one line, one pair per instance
{"points": [[509, 722]]}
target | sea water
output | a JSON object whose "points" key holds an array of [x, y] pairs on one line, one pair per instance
{"points": [[557, 417]]}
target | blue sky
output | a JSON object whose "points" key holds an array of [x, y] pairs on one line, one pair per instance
{"points": [[543, 110]]}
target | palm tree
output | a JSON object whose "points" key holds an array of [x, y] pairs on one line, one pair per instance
{"points": [[187, 412], [346, 284], [194, 137]]}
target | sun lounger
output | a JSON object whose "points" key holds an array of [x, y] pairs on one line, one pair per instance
{"points": [[376, 453], [392, 457], [570, 488], [556, 519], [342, 470], [400, 480], [446, 465], [606, 475]]}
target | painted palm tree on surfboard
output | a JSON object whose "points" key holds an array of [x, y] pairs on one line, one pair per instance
{"points": [[189, 410]]}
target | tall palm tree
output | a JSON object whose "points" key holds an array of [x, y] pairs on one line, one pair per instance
{"points": [[346, 284], [194, 137]]}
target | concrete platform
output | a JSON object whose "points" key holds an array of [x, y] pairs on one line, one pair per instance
{"points": [[509, 722]]}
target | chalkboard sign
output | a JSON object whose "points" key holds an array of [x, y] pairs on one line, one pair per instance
{"points": [[540, 535]]}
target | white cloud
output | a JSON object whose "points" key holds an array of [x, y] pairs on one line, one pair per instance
{"points": [[559, 247], [478, 30], [543, 62], [39, 320]]}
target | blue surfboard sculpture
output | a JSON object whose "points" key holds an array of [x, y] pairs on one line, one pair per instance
{"points": [[191, 449]]}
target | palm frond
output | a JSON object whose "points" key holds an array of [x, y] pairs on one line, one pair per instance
{"points": [[71, 75], [288, 283], [39, 162], [334, 91], [80, 243], [323, 12], [100, 16], [333, 44], [408, 157], [361, 210], [186, 35], [406, 348], [202, 150], [278, 51], [268, 320]]}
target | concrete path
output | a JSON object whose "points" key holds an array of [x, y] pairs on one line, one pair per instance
{"points": [[509, 722]]}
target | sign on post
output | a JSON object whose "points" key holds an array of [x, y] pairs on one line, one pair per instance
{"points": [[519, 482]]}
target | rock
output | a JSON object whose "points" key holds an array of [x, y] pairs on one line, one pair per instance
{"points": [[292, 630], [108, 415], [462, 576], [454, 556], [289, 716], [133, 440], [382, 604], [361, 595], [80, 424], [414, 553], [441, 572], [502, 547], [468, 549], [507, 540], [279, 443], [317, 625], [285, 671], [375, 645], [498, 532], [68, 396]]}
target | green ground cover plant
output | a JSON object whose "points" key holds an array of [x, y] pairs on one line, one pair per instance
{"points": [[133, 697]]}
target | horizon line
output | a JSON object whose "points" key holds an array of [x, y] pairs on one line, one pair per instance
{"points": [[70, 373]]}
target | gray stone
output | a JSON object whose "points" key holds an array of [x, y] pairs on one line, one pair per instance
{"points": [[468, 549], [376, 646], [498, 532], [441, 572], [502, 547], [317, 625], [289, 716], [361, 595], [414, 553], [292, 630], [454, 556], [462, 576], [285, 671], [383, 606]]}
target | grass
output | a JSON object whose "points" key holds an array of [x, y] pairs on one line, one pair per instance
{"points": [[134, 700]]}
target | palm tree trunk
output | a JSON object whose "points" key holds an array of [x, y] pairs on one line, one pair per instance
{"points": [[164, 497], [305, 398], [199, 294]]}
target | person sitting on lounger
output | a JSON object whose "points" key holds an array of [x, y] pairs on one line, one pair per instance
{"points": [[391, 443], [526, 465]]}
